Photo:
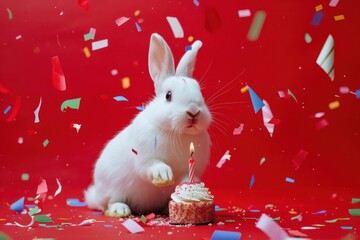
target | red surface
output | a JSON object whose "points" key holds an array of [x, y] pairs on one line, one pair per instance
{"points": [[279, 60]]}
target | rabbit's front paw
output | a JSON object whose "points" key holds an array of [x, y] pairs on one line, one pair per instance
{"points": [[118, 209], [161, 175]]}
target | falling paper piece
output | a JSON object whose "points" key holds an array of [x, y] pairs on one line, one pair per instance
{"points": [[99, 44], [74, 202], [224, 158], [212, 19], [10, 15], [18, 206], [319, 7], [36, 112], [114, 72], [354, 212], [244, 89], [7, 110], [120, 21], [59, 188], [317, 18], [319, 114], [125, 82], [143, 219], [120, 98], [86, 222], [244, 13], [237, 131], [256, 26], [71, 103], [326, 57], [262, 160], [20, 225], [34, 211], [355, 200], [334, 105], [58, 78], [90, 35], [333, 3], [299, 159], [339, 17], [298, 217], [267, 117], [175, 27], [319, 212], [252, 181], [296, 233], [308, 38], [344, 90], [132, 226], [46, 142], [347, 227], [77, 127], [42, 187], [256, 101], [20, 140], [42, 219], [292, 95], [271, 228], [25, 177], [225, 235], [289, 180], [86, 52], [138, 28], [84, 4]]}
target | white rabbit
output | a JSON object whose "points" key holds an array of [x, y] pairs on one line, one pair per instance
{"points": [[139, 168]]}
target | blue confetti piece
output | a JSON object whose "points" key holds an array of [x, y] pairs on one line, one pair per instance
{"points": [[289, 180], [108, 225], [140, 108], [120, 98], [254, 210], [18, 206], [320, 212], [74, 202], [225, 235], [256, 101], [138, 28], [7, 110], [252, 180], [196, 2], [358, 94], [347, 227], [318, 16], [188, 48]]}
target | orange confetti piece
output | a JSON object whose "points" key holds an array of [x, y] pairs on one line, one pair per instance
{"points": [[125, 82], [334, 105], [137, 13], [86, 52], [244, 89], [319, 7], [339, 17]]}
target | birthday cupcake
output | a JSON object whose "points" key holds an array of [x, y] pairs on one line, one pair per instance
{"points": [[191, 203]]}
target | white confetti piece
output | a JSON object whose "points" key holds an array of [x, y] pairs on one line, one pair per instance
{"points": [[326, 57], [121, 21], [132, 226], [267, 116], [36, 112], [58, 191], [20, 225], [244, 13], [238, 131], [271, 228], [175, 27], [224, 158], [333, 3], [99, 44]]}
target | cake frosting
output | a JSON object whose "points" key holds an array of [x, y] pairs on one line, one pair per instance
{"points": [[191, 192]]}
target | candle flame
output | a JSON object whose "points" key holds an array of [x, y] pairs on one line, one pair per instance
{"points": [[192, 149]]}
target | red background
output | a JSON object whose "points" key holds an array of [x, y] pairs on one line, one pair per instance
{"points": [[279, 60]]}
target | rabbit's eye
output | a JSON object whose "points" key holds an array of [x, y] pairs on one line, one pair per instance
{"points": [[168, 96]]}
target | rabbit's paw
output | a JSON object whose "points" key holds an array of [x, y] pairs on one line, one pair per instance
{"points": [[161, 175], [118, 210]]}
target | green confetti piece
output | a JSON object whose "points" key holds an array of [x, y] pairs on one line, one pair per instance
{"points": [[355, 212], [262, 160], [355, 200], [276, 219], [71, 103], [331, 221], [46, 142], [308, 38], [3, 236], [33, 211], [43, 219], [256, 26], [25, 177], [292, 95], [9, 13], [88, 36], [143, 219]]}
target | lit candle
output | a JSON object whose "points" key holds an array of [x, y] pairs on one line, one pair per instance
{"points": [[191, 163]]}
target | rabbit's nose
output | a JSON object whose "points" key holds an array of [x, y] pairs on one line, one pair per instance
{"points": [[193, 115]]}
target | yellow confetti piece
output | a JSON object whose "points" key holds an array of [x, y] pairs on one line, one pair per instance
{"points": [[190, 38], [339, 17], [343, 219], [125, 82], [244, 89], [64, 219], [137, 13], [319, 7], [293, 212], [86, 52], [318, 225], [334, 105]]}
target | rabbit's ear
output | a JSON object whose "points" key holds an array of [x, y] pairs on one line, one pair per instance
{"points": [[161, 61], [187, 62]]}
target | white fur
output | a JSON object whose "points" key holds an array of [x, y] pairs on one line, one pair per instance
{"points": [[161, 136]]}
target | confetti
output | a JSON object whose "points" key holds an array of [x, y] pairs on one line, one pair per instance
{"points": [[58, 78], [43, 219], [334, 105], [317, 18], [267, 116], [252, 181], [86, 52], [271, 228], [262, 160], [308, 38], [87, 222], [76, 126], [132, 226], [36, 112], [45, 142], [71, 103], [20, 140], [296, 233], [339, 17], [74, 202], [25, 177], [10, 15], [319, 7], [99, 44], [354, 212], [256, 101], [224, 158], [289, 180], [196, 3], [244, 89], [58, 191], [120, 21], [256, 26], [212, 19], [225, 235], [357, 93], [299, 159], [326, 57], [140, 108], [344, 90], [84, 4], [321, 124], [355, 200], [34, 211], [238, 131], [175, 27], [346, 227], [333, 3], [319, 212], [90, 35], [137, 13], [138, 28], [297, 217], [292, 95], [120, 98], [7, 110], [114, 72], [143, 219], [244, 13], [18, 206], [125, 82], [20, 225]]}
